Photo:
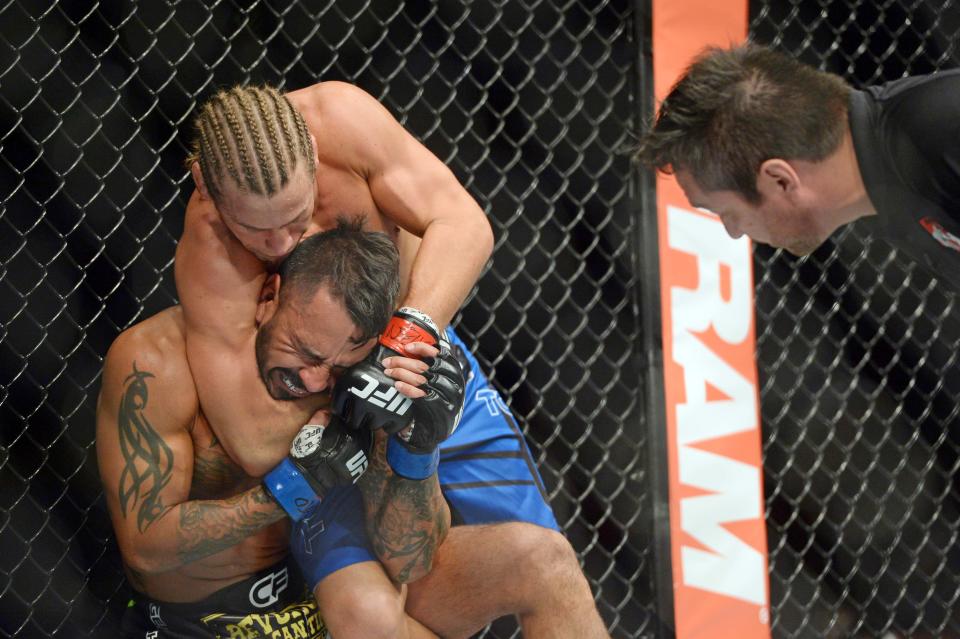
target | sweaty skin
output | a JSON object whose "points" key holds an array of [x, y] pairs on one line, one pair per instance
{"points": [[368, 165]]}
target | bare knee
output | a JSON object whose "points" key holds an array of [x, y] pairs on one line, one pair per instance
{"points": [[541, 566], [376, 613], [545, 553]]}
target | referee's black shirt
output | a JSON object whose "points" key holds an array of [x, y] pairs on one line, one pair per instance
{"points": [[907, 139]]}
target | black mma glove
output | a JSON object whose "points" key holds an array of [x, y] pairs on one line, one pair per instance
{"points": [[320, 458], [365, 397]]}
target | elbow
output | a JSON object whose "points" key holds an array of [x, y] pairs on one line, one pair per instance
{"points": [[257, 461], [144, 563], [484, 237], [408, 569], [259, 467], [413, 576]]}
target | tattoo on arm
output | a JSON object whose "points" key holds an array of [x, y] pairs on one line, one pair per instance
{"points": [[406, 519], [207, 527], [148, 461]]}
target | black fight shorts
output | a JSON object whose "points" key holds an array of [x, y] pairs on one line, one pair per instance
{"points": [[275, 603]]}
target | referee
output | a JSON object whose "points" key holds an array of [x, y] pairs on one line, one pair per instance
{"points": [[787, 154]]}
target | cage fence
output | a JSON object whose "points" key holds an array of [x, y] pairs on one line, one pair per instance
{"points": [[860, 374], [530, 104]]}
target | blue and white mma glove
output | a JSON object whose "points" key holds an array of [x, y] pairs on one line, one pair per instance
{"points": [[320, 459], [366, 399]]}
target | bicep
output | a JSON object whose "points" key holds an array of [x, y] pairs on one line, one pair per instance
{"points": [[409, 184], [143, 446]]}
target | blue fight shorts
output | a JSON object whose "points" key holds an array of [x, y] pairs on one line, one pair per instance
{"points": [[486, 472]]}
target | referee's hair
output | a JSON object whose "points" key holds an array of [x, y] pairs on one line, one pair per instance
{"points": [[733, 109]]}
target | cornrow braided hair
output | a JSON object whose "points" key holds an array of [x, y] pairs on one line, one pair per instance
{"points": [[253, 136]]}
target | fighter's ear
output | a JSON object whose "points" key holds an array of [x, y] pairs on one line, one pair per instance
{"points": [[269, 298], [198, 180]]}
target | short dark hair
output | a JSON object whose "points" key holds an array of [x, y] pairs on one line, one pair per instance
{"points": [[733, 109], [359, 268]]}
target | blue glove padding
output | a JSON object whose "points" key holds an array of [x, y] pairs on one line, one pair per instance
{"points": [[288, 487], [320, 458], [409, 464]]}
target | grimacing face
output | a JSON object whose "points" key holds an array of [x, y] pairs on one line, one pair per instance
{"points": [[778, 223], [270, 227], [303, 346]]}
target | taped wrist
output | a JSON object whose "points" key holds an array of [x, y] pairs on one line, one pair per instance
{"points": [[411, 465], [408, 325], [289, 488]]}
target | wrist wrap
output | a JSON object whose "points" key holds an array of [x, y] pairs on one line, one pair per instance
{"points": [[290, 489], [411, 465], [402, 329]]}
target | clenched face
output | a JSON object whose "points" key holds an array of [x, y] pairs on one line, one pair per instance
{"points": [[775, 220], [304, 345]]}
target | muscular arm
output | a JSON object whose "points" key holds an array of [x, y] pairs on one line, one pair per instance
{"points": [[218, 283], [413, 188], [145, 453], [406, 520]]}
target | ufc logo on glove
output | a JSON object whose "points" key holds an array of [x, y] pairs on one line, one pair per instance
{"points": [[398, 403], [357, 465]]}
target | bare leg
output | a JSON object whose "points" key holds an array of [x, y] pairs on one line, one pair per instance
{"points": [[361, 601], [481, 573]]}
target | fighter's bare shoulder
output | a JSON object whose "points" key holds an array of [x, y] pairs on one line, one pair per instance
{"points": [[354, 124], [203, 229], [332, 98], [155, 351]]}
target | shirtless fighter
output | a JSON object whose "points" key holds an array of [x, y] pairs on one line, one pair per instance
{"points": [[205, 544], [271, 169], [205, 554]]}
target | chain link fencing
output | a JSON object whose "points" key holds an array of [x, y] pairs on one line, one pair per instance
{"points": [[859, 363], [529, 103]]}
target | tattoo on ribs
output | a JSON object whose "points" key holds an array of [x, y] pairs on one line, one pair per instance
{"points": [[148, 461], [214, 474]]}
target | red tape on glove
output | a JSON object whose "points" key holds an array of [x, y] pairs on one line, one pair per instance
{"points": [[400, 332]]}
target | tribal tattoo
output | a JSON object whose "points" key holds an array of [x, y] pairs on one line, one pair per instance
{"points": [[406, 519], [148, 461]]}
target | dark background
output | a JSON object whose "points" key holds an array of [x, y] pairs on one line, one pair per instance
{"points": [[529, 103], [532, 105], [859, 364]]}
